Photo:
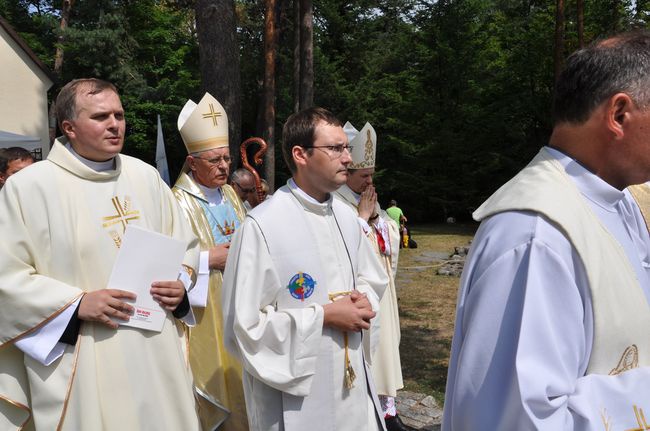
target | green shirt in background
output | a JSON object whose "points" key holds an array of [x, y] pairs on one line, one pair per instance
{"points": [[395, 213]]}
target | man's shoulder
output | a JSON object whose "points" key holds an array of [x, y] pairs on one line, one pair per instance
{"points": [[279, 202], [130, 162], [343, 208], [36, 174], [509, 231]]}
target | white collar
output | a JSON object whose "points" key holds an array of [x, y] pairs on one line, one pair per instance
{"points": [[590, 185], [308, 202], [212, 195], [108, 165]]}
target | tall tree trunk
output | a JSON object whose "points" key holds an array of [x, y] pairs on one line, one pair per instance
{"points": [[306, 54], [66, 7], [558, 54], [270, 50], [296, 55], [580, 6], [219, 62]]}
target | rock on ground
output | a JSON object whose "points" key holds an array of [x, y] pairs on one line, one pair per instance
{"points": [[419, 411]]}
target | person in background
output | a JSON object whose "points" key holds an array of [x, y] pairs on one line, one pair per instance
{"points": [[383, 233], [244, 184], [12, 160], [395, 213], [215, 213]]}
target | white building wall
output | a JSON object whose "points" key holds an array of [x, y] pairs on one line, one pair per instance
{"points": [[23, 92]]}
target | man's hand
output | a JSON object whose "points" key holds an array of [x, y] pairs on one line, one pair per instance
{"points": [[217, 256], [352, 313], [367, 203], [168, 293], [101, 305]]}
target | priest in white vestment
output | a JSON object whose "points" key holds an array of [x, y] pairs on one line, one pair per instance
{"points": [[301, 282], [383, 233], [65, 364], [215, 212], [552, 322]]}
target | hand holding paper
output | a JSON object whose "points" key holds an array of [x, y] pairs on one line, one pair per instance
{"points": [[145, 258], [102, 305], [168, 293]]}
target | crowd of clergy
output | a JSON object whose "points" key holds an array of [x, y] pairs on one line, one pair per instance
{"points": [[284, 311], [284, 314]]}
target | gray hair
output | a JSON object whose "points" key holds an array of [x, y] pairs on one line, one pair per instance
{"points": [[592, 75], [240, 174]]}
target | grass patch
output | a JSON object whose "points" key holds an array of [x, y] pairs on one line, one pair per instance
{"points": [[427, 304]]}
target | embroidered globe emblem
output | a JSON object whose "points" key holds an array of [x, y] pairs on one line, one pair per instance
{"points": [[301, 286]]}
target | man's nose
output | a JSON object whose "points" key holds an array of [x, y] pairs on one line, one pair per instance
{"points": [[346, 157], [112, 122]]}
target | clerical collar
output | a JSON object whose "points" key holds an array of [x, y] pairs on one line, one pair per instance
{"points": [[307, 201], [108, 165], [590, 185], [213, 196]]}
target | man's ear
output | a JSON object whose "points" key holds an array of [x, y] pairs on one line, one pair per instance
{"points": [[67, 128], [618, 110], [191, 163], [299, 155]]}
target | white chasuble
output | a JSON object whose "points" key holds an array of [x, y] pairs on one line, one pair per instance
{"points": [[61, 226], [290, 254], [385, 365], [217, 373]]}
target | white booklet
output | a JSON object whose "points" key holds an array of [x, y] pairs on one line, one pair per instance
{"points": [[143, 258]]}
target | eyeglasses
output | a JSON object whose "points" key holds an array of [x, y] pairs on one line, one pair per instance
{"points": [[334, 151], [245, 190], [217, 160]]}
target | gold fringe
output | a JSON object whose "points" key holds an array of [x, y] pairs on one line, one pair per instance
{"points": [[349, 374]]}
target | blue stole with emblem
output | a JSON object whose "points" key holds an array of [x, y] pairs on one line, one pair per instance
{"points": [[222, 219]]}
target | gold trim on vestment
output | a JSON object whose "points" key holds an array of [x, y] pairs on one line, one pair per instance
{"points": [[641, 194], [185, 330], [192, 273], [606, 420], [74, 372], [629, 360], [44, 322], [206, 144], [20, 406]]}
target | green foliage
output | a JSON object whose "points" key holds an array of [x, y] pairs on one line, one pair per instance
{"points": [[459, 91]]}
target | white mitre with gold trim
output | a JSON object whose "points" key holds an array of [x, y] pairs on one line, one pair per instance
{"points": [[364, 145], [204, 126]]}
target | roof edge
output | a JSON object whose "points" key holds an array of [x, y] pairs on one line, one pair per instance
{"points": [[21, 42]]}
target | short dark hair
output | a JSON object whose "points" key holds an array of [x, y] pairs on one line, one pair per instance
{"points": [[13, 153], [66, 101], [593, 74], [299, 130]]}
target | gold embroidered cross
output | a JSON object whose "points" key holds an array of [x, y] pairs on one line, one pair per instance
{"points": [[212, 114], [640, 420], [123, 215]]}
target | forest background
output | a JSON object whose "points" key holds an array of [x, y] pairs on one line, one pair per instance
{"points": [[459, 91]]}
